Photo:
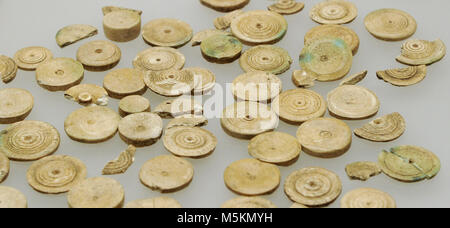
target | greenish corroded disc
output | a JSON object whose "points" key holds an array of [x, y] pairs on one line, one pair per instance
{"points": [[221, 48]]}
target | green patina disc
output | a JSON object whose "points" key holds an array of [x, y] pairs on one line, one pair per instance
{"points": [[221, 48]]}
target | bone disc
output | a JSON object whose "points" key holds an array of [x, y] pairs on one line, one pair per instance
{"points": [[354, 79], [158, 202], [367, 198], [87, 95], [224, 22], [267, 58], [256, 86], [159, 59], [133, 104], [404, 76], [97, 192], [362, 170], [188, 120], [15, 105], [4, 167], [390, 24], [334, 12], [110, 9], [178, 107], [204, 80], [74, 33], [171, 83], [141, 129], [99, 55], [383, 129], [192, 142], [275, 147], [422, 52], [122, 163], [248, 202], [59, 74], [29, 58], [122, 25], [167, 33], [8, 69], [353, 102], [286, 7], [124, 82], [303, 78], [12, 198], [199, 37], [225, 5], [221, 49], [338, 31], [297, 205]]}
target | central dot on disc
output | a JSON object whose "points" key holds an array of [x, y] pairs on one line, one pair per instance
{"points": [[415, 45], [259, 25], [323, 58], [98, 51], [59, 72], [167, 31], [172, 76], [56, 172]]}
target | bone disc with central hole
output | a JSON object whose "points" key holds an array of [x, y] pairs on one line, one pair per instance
{"points": [[133, 104], [193, 142], [158, 202], [275, 147], [367, 198], [29, 140], [179, 107], [92, 124], [167, 32], [8, 69], [248, 202], [122, 25], [87, 95], [124, 82], [141, 129], [390, 24], [346, 34], [171, 83], [221, 49], [313, 187], [59, 74], [225, 5], [74, 33], [56, 174], [325, 137], [166, 173], [159, 59], [248, 119], [99, 55], [29, 58], [383, 129], [334, 12], [12, 198], [256, 86], [267, 58], [353, 102], [204, 80], [404, 76], [4, 167], [299, 105], [286, 7], [251, 177], [422, 52], [97, 192], [15, 105]]}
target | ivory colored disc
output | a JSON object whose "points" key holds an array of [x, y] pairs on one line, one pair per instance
{"points": [[390, 24], [275, 147], [122, 25], [159, 59], [192, 142], [353, 102], [133, 104], [74, 33], [124, 82], [188, 120], [59, 74], [87, 95], [346, 34], [29, 140], [303, 78], [367, 198], [297, 106], [362, 170], [383, 129], [409, 163], [221, 49], [199, 37], [404, 76], [267, 58], [256, 86], [251, 177], [325, 137], [15, 105], [92, 124], [224, 22], [122, 163], [4, 167], [248, 202], [178, 107], [12, 198], [204, 80], [141, 129], [259, 27], [286, 7], [166, 173], [313, 187], [334, 12], [422, 52], [99, 55], [8, 69], [56, 174], [167, 33], [171, 83], [158, 202], [97, 192], [225, 5], [29, 58], [110, 9], [329, 58]]}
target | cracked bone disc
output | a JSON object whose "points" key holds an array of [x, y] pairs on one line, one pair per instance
{"points": [[224, 22], [199, 37], [4, 167], [334, 12], [384, 129], [97, 192], [92, 124], [99, 55], [178, 107], [325, 137], [122, 25], [267, 58], [313, 187], [275, 147], [8, 69], [56, 174], [367, 198], [329, 58], [390, 24], [158, 202], [256, 86], [12, 198], [286, 7], [204, 80], [171, 83], [167, 173], [188, 120], [87, 95], [353, 102], [297, 106], [409, 163], [110, 9], [259, 27], [122, 163], [141, 129], [192, 142], [133, 104], [250, 177], [247, 119], [422, 52], [124, 82], [29, 58], [159, 59], [362, 170], [15, 105], [59, 74], [74, 33], [404, 76], [248, 202], [225, 5], [354, 79], [303, 78], [167, 33], [221, 49], [338, 31]]}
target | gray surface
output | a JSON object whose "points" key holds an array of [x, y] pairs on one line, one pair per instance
{"points": [[425, 106]]}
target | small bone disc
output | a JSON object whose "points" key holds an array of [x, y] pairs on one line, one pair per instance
{"points": [[193, 142], [353, 102], [221, 49], [12, 198], [275, 147], [167, 33], [171, 83], [56, 174], [99, 55], [204, 80], [267, 58], [29, 58], [251, 177], [362, 170], [178, 107], [346, 34], [248, 202], [286, 7], [29, 140], [4, 167], [422, 52], [74, 33], [15, 105], [59, 74], [313, 187], [110, 9], [87, 95], [141, 129], [158, 202], [97, 192], [383, 129], [199, 37], [256, 86], [334, 12], [390, 24], [367, 198], [188, 120], [122, 163], [325, 137], [303, 78], [225, 5], [166, 173], [404, 76], [224, 22], [8, 69], [159, 59], [122, 25], [124, 82], [133, 104]]}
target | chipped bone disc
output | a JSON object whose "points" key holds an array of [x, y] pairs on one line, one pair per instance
{"points": [[56, 174], [29, 140], [166, 173], [122, 163], [188, 120], [141, 129], [338, 31], [422, 52], [303, 78], [4, 167], [110, 9], [221, 49], [171, 83], [199, 37], [8, 69], [87, 95], [59, 74], [167, 33], [158, 202], [256, 86], [248, 202], [313, 187], [99, 55], [178, 107], [297, 106], [353, 102], [334, 12], [251, 177], [367, 198], [259, 27], [329, 58], [354, 79], [74, 33], [362, 170], [409, 163], [133, 104], [159, 59], [286, 7], [124, 82], [92, 124], [275, 147], [325, 137], [390, 24], [15, 105], [12, 198], [404, 76], [384, 129], [97, 192], [204, 80], [29, 58], [267, 58], [224, 22], [225, 5], [122, 25], [192, 142]]}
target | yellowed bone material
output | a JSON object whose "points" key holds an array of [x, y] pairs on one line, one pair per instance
{"points": [[422, 52], [87, 95], [267, 58], [171, 83], [122, 163], [188, 120], [74, 33], [346, 34], [354, 79], [124, 82], [287, 7], [256, 86], [122, 25], [4, 167], [404, 76], [167, 32], [390, 24], [141, 129], [367, 198], [362, 170], [97, 192], [303, 78], [133, 104], [204, 80], [109, 9], [225, 5], [159, 59], [353, 102], [12, 198], [221, 49], [59, 74], [224, 22], [199, 37], [384, 129], [334, 12], [15, 105], [178, 107], [192, 142], [275, 147], [99, 55], [29, 58], [8, 69]]}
